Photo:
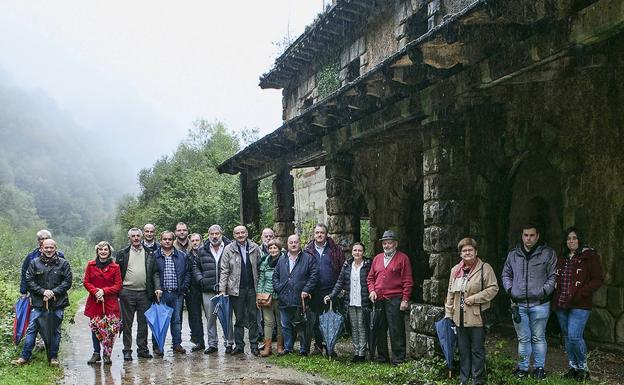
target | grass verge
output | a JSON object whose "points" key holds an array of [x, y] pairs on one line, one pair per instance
{"points": [[415, 372], [37, 372]]}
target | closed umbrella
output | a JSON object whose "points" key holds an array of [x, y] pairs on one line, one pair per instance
{"points": [[221, 306], [330, 324], [22, 317], [48, 322], [448, 340], [158, 317], [373, 326], [106, 327]]}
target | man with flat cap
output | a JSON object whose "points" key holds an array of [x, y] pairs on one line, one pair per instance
{"points": [[390, 286]]}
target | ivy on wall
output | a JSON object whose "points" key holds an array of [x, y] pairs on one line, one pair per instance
{"points": [[328, 79]]}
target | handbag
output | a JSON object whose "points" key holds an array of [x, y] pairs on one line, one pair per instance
{"points": [[264, 299], [488, 317]]}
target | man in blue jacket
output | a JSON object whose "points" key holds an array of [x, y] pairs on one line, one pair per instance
{"points": [[294, 278], [529, 279], [171, 280]]}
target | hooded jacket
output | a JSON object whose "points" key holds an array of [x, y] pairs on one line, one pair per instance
{"points": [[586, 279]]}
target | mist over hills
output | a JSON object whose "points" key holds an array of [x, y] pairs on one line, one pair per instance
{"points": [[50, 168]]}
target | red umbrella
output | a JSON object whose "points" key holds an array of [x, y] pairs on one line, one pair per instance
{"points": [[106, 328]]}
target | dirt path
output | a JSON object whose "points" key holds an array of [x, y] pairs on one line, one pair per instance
{"points": [[192, 368]]}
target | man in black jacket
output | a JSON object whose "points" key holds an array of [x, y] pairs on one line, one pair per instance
{"points": [[206, 273], [136, 263], [48, 278]]}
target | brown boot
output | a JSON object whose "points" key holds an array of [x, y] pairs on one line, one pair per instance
{"points": [[280, 344], [267, 348]]}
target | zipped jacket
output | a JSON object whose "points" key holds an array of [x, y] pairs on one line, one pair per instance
{"points": [[230, 264], [344, 283], [182, 270], [289, 284], [265, 275], [206, 270], [56, 276], [530, 280], [36, 253], [122, 260]]}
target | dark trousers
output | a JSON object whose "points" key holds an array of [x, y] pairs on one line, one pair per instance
{"points": [[471, 344], [193, 299], [391, 319], [244, 306], [132, 302], [317, 307], [290, 331]]}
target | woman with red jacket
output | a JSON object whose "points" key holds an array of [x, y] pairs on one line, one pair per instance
{"points": [[102, 279], [579, 275]]}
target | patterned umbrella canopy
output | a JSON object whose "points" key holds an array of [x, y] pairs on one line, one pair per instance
{"points": [[106, 328], [330, 324]]}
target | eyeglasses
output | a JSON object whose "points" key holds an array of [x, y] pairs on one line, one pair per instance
{"points": [[166, 239]]}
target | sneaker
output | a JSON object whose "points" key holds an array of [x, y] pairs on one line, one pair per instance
{"points": [[519, 373], [539, 373], [179, 349], [572, 373], [228, 350], [54, 362], [20, 361], [237, 350], [95, 358], [211, 349]]}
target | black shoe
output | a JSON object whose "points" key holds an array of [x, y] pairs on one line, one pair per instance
{"points": [[333, 354], [95, 358], [158, 352], [211, 349], [237, 350], [255, 351], [539, 373], [519, 373], [572, 373], [198, 347], [318, 349], [144, 355], [127, 356], [284, 353], [303, 354], [355, 359], [228, 350]]}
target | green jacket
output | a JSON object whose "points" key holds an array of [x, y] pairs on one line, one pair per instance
{"points": [[265, 275]]}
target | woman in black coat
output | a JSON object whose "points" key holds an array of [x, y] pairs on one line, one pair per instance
{"points": [[352, 281]]}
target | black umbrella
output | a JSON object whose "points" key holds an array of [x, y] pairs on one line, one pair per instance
{"points": [[48, 323], [448, 340], [373, 326]]}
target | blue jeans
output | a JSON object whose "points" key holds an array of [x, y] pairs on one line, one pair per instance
{"points": [[572, 322], [531, 333], [96, 343], [33, 328], [287, 314], [174, 301]]}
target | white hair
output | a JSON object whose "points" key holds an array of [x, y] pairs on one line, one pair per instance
{"points": [[134, 230]]}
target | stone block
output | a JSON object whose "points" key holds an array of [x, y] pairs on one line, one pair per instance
{"points": [[441, 264], [340, 223], [442, 186], [421, 345], [400, 31], [600, 297], [339, 167], [417, 5], [345, 240], [363, 61], [284, 214], [338, 186], [441, 238], [283, 229], [436, 159], [619, 330], [615, 300], [338, 205], [434, 291], [423, 318], [441, 212], [600, 326], [354, 50], [344, 58], [361, 46]]}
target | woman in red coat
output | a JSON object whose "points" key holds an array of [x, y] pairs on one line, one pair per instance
{"points": [[102, 279]]}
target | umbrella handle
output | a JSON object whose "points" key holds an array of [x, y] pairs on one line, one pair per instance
{"points": [[331, 303], [103, 308], [45, 301]]}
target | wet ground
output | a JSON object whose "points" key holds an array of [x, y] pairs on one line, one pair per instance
{"points": [[190, 368]]}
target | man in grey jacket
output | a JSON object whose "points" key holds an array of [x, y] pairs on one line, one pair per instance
{"points": [[239, 279], [529, 279]]}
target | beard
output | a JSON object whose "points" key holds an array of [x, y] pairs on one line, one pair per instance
{"points": [[215, 241], [389, 250]]}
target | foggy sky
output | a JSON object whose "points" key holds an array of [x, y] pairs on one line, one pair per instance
{"points": [[136, 74]]}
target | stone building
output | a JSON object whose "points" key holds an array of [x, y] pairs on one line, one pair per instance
{"points": [[448, 118]]}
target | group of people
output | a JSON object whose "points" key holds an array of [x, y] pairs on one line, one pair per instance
{"points": [[537, 281], [271, 286]]}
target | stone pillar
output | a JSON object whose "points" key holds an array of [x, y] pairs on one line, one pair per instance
{"points": [[339, 204], [283, 204], [443, 227], [249, 203]]}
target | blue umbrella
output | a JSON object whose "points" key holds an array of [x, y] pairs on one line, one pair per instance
{"points": [[22, 316], [330, 324], [448, 340], [158, 317], [221, 306]]}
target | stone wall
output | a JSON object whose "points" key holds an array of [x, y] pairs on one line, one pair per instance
{"points": [[310, 196]]}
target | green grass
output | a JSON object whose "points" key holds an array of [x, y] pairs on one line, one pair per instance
{"points": [[415, 372], [37, 372]]}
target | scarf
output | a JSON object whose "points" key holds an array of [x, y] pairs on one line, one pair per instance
{"points": [[102, 264], [48, 260], [460, 271]]}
